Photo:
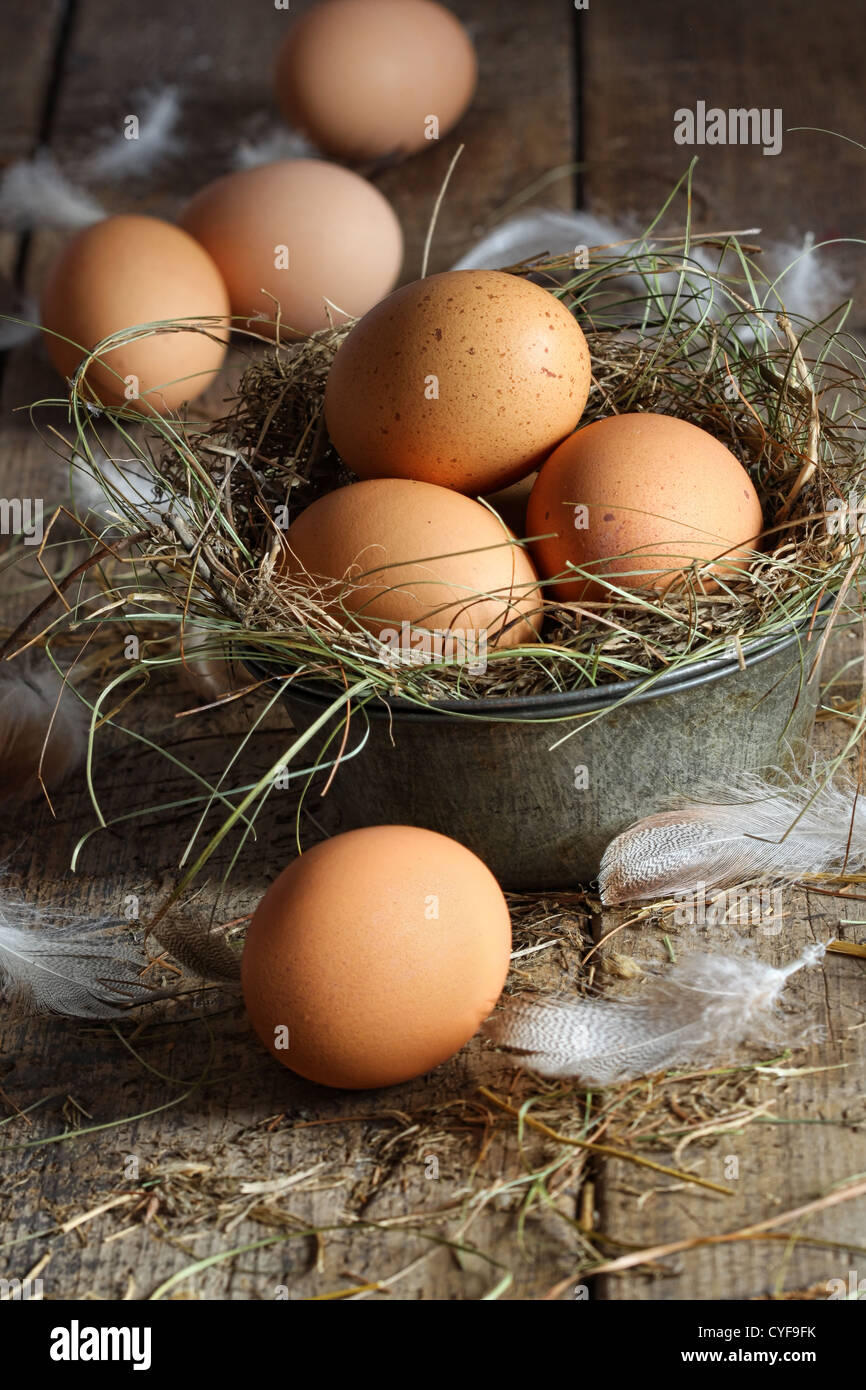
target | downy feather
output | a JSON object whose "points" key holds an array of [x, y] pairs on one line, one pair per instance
{"points": [[36, 193], [748, 831], [119, 156], [271, 146], [797, 274], [696, 1013], [104, 486], [551, 231]]}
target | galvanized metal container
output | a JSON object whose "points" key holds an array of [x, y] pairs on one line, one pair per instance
{"points": [[538, 786]]}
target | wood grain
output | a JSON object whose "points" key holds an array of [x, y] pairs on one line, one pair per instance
{"points": [[807, 1142], [636, 75], [234, 1117], [30, 40], [639, 70], [222, 1114]]}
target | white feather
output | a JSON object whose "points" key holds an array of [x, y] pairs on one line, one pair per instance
{"points": [[749, 831], [36, 193], [531, 233], [156, 140], [102, 485], [807, 282], [272, 146], [696, 1013], [569, 233], [803, 278]]}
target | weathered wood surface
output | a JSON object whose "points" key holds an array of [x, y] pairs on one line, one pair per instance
{"points": [[234, 1118], [639, 67], [799, 1132], [243, 1127]]}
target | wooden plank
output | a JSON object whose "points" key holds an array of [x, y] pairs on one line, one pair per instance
{"points": [[29, 34], [221, 64], [807, 1141], [220, 59], [637, 73], [639, 69], [29, 38], [246, 1120], [519, 128], [239, 1117]]}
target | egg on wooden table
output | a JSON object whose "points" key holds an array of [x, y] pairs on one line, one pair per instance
{"points": [[375, 956], [369, 78], [466, 379], [301, 237], [127, 271], [638, 499], [392, 551]]}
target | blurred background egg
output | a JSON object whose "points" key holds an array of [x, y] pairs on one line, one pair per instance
{"points": [[369, 78], [639, 498], [393, 551], [375, 956], [294, 234], [466, 379], [122, 272]]}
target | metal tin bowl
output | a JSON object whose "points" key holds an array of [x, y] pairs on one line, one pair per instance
{"points": [[538, 786]]}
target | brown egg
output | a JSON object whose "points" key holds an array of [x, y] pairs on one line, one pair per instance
{"points": [[375, 956], [296, 234], [638, 498], [393, 551], [118, 274], [367, 78], [466, 379]]}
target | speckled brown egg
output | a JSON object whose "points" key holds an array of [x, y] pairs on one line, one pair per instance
{"points": [[466, 379], [301, 237], [122, 273], [391, 550], [638, 499], [370, 78], [375, 956]]}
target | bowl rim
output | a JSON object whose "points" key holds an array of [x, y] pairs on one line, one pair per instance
{"points": [[564, 703]]}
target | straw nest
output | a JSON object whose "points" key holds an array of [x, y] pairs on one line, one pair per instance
{"points": [[686, 326]]}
